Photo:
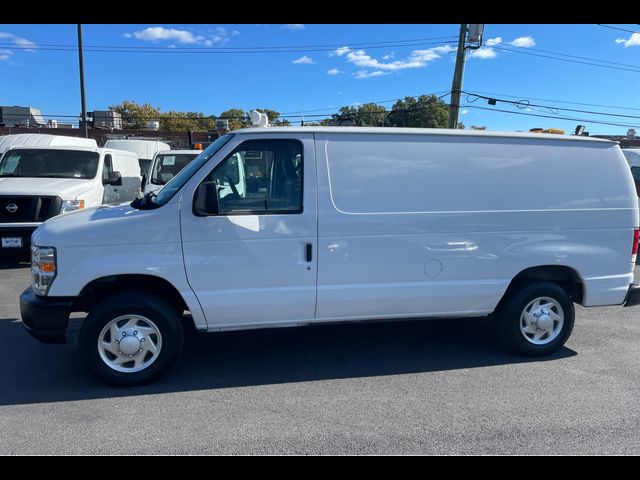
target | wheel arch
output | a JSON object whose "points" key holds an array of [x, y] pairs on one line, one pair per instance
{"points": [[99, 288], [563, 275]]}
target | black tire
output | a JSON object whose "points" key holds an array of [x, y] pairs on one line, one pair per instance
{"points": [[163, 314], [508, 313]]}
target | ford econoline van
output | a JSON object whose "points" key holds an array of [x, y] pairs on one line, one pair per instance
{"points": [[144, 149], [40, 182], [333, 224], [166, 164]]}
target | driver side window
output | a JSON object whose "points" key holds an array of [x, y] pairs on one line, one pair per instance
{"points": [[261, 177]]}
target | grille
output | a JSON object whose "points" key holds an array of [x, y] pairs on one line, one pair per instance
{"points": [[21, 208]]}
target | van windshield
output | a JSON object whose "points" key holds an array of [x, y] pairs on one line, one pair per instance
{"points": [[49, 163], [168, 166], [167, 192]]}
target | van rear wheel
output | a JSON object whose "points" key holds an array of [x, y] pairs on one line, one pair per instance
{"points": [[131, 339], [536, 320]]}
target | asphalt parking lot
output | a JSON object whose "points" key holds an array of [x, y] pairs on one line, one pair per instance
{"points": [[420, 387]]}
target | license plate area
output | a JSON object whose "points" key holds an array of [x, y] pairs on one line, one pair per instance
{"points": [[12, 242]]}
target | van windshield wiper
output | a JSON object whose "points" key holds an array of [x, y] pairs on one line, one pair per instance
{"points": [[9, 175], [146, 202]]}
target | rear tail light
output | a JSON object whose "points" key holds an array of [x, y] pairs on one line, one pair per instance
{"points": [[634, 249]]}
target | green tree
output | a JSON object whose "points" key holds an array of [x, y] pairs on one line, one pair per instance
{"points": [[184, 121], [366, 115], [237, 118], [425, 111], [134, 115]]}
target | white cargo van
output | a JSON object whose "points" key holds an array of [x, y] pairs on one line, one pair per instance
{"points": [[166, 164], [337, 224], [39, 182], [144, 149], [43, 140], [633, 159]]}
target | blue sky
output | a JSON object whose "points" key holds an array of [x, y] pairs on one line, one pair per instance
{"points": [[360, 64]]}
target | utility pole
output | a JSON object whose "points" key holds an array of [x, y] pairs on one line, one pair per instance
{"points": [[456, 85], [84, 107]]}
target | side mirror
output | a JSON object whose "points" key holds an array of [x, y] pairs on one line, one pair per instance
{"points": [[205, 201], [114, 178]]}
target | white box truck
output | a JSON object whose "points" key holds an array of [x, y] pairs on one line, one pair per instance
{"points": [[43, 177], [337, 224]]}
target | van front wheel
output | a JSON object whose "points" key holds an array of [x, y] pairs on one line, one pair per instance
{"points": [[131, 339], [536, 320]]}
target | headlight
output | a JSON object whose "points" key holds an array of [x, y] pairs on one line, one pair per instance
{"points": [[71, 206], [43, 268]]}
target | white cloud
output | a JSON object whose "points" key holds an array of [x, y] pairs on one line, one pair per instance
{"points": [[23, 43], [160, 33], [632, 41], [339, 51], [333, 72], [293, 26], [366, 74], [216, 36], [524, 42], [417, 58], [369, 67], [488, 51], [304, 60], [5, 57], [464, 112], [484, 52]]}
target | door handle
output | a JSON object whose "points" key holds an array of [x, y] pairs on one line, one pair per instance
{"points": [[309, 252]]}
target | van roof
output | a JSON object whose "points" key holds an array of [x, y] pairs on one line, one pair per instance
{"points": [[421, 131], [40, 139], [145, 149], [72, 147], [54, 147], [178, 152]]}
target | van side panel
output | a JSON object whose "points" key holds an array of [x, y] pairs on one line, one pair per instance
{"points": [[127, 164], [430, 225]]}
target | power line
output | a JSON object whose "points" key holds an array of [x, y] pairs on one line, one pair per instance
{"points": [[142, 47], [582, 120], [303, 112], [526, 103], [167, 50], [558, 101], [565, 59], [575, 56], [617, 28]]}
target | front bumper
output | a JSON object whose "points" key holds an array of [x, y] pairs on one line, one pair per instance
{"points": [[633, 296], [45, 318]]}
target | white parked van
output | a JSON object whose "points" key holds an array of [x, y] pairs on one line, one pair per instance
{"points": [[40, 182], [166, 165], [633, 159], [144, 149], [336, 224]]}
